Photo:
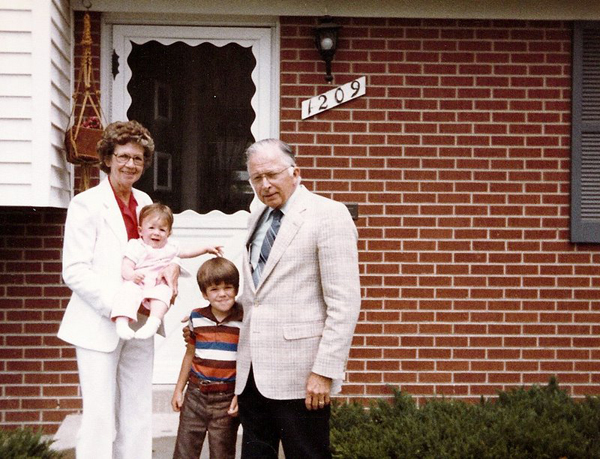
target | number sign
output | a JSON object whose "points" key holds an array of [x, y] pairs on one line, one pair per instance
{"points": [[333, 98]]}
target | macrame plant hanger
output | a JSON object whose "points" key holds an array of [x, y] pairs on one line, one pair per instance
{"points": [[86, 124]]}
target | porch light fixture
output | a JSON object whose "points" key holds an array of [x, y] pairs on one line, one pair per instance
{"points": [[326, 34]]}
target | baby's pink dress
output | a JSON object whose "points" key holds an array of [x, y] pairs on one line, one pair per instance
{"points": [[151, 262]]}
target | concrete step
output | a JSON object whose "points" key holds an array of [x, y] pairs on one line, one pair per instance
{"points": [[164, 429]]}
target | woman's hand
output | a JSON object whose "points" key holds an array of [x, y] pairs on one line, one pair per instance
{"points": [[171, 277]]}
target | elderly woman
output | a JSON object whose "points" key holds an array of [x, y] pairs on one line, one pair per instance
{"points": [[115, 375]]}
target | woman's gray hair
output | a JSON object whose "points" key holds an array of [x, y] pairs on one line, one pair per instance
{"points": [[283, 147]]}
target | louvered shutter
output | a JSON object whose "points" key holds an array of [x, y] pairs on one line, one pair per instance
{"points": [[585, 169]]}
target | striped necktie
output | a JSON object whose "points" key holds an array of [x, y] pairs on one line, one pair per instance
{"points": [[268, 242]]}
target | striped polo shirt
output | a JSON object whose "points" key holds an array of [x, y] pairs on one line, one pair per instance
{"points": [[216, 343]]}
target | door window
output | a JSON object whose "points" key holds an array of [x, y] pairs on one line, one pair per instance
{"points": [[204, 94]]}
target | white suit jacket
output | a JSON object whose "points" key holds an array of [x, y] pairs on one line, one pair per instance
{"points": [[94, 243], [300, 318]]}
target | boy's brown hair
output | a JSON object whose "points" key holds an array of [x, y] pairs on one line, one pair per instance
{"points": [[217, 270], [164, 212]]}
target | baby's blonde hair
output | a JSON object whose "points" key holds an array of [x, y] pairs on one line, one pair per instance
{"points": [[164, 212]]}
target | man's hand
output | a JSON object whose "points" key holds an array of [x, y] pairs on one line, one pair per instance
{"points": [[171, 276], [318, 389]]}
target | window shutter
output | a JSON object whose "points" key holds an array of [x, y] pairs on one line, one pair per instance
{"points": [[585, 169]]}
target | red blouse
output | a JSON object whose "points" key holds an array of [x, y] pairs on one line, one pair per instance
{"points": [[129, 213]]}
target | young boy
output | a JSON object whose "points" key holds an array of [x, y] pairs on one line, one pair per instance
{"points": [[208, 367], [143, 261]]}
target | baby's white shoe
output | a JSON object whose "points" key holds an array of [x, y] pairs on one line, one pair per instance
{"points": [[123, 329], [149, 329]]}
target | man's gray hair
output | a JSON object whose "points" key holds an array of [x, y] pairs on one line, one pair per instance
{"points": [[279, 144]]}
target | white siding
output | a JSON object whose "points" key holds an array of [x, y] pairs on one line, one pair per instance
{"points": [[35, 88], [60, 97]]}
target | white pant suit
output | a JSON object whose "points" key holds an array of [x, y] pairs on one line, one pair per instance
{"points": [[115, 375]]}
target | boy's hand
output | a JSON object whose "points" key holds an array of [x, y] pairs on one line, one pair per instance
{"points": [[177, 400], [233, 408], [215, 250]]}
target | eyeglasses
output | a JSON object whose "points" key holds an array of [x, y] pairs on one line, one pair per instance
{"points": [[257, 180], [124, 158]]}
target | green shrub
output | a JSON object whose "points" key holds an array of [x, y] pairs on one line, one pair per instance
{"points": [[25, 444], [540, 422]]}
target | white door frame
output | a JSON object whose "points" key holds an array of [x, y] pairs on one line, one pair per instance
{"points": [[215, 227], [265, 100]]}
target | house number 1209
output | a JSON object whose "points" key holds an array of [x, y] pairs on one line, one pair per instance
{"points": [[334, 97]]}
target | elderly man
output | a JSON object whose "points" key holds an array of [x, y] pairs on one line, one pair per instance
{"points": [[301, 302]]}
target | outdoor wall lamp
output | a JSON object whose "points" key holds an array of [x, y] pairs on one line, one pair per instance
{"points": [[326, 34]]}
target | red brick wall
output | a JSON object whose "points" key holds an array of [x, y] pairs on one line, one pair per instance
{"points": [[459, 159], [38, 379]]}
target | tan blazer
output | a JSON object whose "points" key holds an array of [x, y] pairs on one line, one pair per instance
{"points": [[94, 243], [301, 316]]}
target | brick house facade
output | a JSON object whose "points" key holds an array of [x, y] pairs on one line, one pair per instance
{"points": [[458, 157]]}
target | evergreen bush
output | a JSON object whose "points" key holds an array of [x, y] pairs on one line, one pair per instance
{"points": [[26, 444], [539, 422]]}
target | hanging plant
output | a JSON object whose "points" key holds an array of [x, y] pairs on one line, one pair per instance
{"points": [[85, 129]]}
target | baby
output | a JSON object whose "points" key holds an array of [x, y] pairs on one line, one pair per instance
{"points": [[143, 261]]}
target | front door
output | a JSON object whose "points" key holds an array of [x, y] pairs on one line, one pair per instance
{"points": [[205, 94]]}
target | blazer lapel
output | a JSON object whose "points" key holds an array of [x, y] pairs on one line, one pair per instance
{"points": [[252, 224], [112, 214], [290, 225]]}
